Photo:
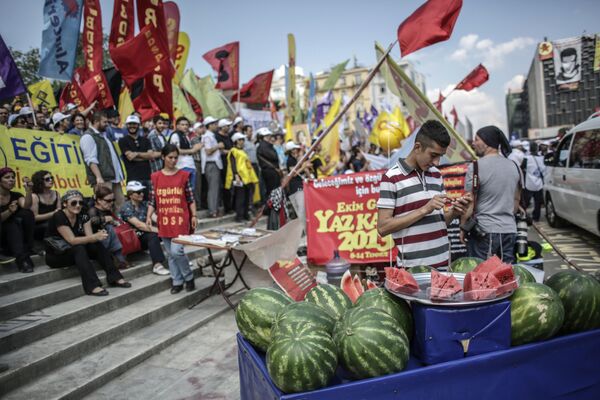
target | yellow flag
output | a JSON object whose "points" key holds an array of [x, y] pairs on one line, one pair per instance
{"points": [[399, 122], [182, 107], [125, 105], [289, 134], [290, 92], [42, 93], [381, 123], [330, 146], [181, 55]]}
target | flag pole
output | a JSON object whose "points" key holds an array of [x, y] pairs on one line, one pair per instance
{"points": [[32, 109], [345, 108]]}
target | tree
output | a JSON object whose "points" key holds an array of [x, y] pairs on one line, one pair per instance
{"points": [[28, 64]]}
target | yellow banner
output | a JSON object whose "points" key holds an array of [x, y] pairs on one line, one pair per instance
{"points": [[330, 146], [41, 93], [125, 105], [181, 55], [421, 109], [597, 54], [290, 97]]}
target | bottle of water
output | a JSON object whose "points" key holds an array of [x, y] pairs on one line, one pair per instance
{"points": [[336, 267]]}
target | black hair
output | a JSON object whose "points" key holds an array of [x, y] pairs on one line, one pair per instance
{"points": [[97, 116], [160, 118], [168, 149], [569, 51], [245, 128], [433, 131], [182, 118], [38, 181]]}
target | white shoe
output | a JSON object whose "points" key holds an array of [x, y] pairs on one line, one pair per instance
{"points": [[160, 270]]}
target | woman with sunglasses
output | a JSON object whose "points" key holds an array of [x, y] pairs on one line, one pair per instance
{"points": [[17, 219], [74, 227], [45, 201], [101, 217], [173, 200]]}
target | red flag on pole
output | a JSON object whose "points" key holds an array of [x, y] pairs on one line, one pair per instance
{"points": [[144, 105], [455, 115], [122, 26], [476, 78], [431, 23], [172, 22], [96, 88], [157, 86], [152, 12], [256, 90], [92, 37], [225, 60], [440, 100], [139, 56], [72, 93]]}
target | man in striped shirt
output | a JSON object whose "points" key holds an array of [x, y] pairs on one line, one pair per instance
{"points": [[412, 198]]}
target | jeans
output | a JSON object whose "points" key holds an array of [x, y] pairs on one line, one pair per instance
{"points": [[192, 178], [499, 244], [179, 265], [241, 200], [150, 241], [17, 235], [538, 199]]}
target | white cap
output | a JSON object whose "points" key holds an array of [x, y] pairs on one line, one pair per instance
{"points": [[515, 143], [25, 111], [223, 122], [197, 125], [526, 145], [237, 120], [57, 117], [237, 136], [209, 120], [132, 119], [134, 186], [71, 106], [264, 132], [289, 146]]}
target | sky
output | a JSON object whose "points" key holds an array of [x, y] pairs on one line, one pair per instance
{"points": [[503, 35]]}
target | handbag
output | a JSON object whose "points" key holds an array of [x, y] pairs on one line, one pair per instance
{"points": [[127, 236], [56, 244]]}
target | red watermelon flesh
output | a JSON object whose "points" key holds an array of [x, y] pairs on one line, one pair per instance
{"points": [[371, 285], [358, 285], [480, 285], [400, 280], [347, 285], [488, 265], [503, 273], [443, 286]]}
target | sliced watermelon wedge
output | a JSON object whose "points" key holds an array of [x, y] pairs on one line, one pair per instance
{"points": [[371, 285], [503, 273], [358, 285], [348, 286], [443, 286], [480, 286], [400, 280]]}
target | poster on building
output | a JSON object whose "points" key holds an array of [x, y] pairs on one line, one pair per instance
{"points": [[567, 61], [341, 214], [259, 119], [597, 54]]}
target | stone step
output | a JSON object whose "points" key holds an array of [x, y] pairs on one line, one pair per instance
{"points": [[29, 363], [79, 377]]}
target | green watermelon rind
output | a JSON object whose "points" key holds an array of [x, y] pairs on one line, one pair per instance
{"points": [[524, 276], [301, 357], [370, 343], [304, 312], [420, 269], [333, 299], [536, 313], [465, 264], [580, 296], [256, 312], [394, 306]]}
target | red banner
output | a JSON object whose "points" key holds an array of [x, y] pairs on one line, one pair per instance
{"points": [[151, 12], [172, 22], [144, 105], [158, 87], [226, 61], [122, 23], [257, 90], [96, 88], [72, 94], [92, 37], [341, 214]]}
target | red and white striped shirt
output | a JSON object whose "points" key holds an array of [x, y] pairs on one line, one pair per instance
{"points": [[404, 189]]}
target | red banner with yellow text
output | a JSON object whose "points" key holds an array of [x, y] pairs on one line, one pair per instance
{"points": [[341, 214], [92, 37], [122, 23]]}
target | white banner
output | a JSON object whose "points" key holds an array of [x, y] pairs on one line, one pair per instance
{"points": [[259, 119], [567, 60]]}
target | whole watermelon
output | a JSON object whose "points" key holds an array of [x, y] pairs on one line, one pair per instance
{"points": [[536, 313], [370, 343], [256, 312], [580, 295], [301, 357], [465, 264], [523, 274], [304, 312], [396, 307], [331, 298], [419, 269]]}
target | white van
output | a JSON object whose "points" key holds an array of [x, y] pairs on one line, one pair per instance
{"points": [[572, 181]]}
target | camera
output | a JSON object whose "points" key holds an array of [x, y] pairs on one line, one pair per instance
{"points": [[471, 228]]}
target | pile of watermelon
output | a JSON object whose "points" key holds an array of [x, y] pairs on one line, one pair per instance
{"points": [[353, 286], [489, 280], [306, 341]]}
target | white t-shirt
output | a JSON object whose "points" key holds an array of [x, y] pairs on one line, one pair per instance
{"points": [[185, 160], [534, 173]]}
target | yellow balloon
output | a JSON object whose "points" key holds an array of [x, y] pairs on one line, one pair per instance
{"points": [[389, 140]]}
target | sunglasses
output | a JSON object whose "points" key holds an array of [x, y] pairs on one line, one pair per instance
{"points": [[49, 179], [108, 200], [139, 192], [76, 203]]}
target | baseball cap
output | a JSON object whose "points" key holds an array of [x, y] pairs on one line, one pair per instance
{"points": [[289, 146], [237, 136], [134, 186], [237, 120], [71, 106], [209, 120], [264, 132], [515, 143], [25, 111], [132, 119], [223, 122], [197, 125]]}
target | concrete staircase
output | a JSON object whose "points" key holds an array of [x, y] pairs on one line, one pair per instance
{"points": [[58, 343]]}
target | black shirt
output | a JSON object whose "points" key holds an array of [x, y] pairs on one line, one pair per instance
{"points": [[317, 163], [296, 182], [267, 156], [226, 140], [13, 196], [137, 170], [60, 219]]}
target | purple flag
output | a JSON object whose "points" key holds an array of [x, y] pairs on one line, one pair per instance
{"points": [[323, 106], [11, 83]]}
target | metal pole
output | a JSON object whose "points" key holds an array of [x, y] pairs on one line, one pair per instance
{"points": [[32, 110]]}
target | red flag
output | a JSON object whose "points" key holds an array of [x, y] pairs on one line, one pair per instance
{"points": [[152, 12], [96, 88], [72, 94], [122, 25], [476, 78], [455, 115], [172, 22], [157, 86], [225, 60], [141, 55], [431, 23], [92, 37], [440, 100], [194, 103], [256, 90], [144, 105]]}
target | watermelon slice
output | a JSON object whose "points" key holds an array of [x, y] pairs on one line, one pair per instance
{"points": [[503, 272], [489, 265], [348, 286], [358, 285], [480, 286], [400, 280], [443, 286], [371, 285]]}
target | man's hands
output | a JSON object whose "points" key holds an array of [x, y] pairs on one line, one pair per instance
{"points": [[461, 205], [436, 203]]}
